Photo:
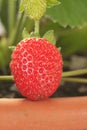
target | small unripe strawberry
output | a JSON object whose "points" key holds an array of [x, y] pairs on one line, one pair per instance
{"points": [[37, 68], [34, 8]]}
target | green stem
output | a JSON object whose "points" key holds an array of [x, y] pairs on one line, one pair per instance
{"points": [[37, 27], [19, 24], [6, 78], [11, 14], [74, 73], [64, 76], [16, 31], [78, 80]]}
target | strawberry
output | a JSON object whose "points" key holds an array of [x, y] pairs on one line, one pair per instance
{"points": [[37, 68], [33, 8]]}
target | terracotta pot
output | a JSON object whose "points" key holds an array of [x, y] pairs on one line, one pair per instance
{"points": [[51, 114]]}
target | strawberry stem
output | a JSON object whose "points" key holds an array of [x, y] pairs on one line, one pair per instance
{"points": [[77, 80], [74, 73], [64, 76], [6, 78], [67, 79], [37, 27]]}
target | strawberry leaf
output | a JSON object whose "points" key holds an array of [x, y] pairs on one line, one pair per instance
{"points": [[51, 3], [50, 36], [71, 13]]}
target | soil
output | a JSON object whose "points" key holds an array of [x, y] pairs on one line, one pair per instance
{"points": [[9, 90]]}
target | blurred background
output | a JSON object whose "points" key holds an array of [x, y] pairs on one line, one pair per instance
{"points": [[69, 22]]}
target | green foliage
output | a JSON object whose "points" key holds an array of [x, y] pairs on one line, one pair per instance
{"points": [[73, 41], [68, 20], [70, 40], [71, 13], [4, 54], [14, 22]]}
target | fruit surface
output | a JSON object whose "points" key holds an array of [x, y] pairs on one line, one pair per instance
{"points": [[37, 68]]}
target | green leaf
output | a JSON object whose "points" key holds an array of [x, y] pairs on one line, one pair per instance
{"points": [[71, 13], [70, 40], [50, 37], [51, 3], [25, 34], [73, 41]]}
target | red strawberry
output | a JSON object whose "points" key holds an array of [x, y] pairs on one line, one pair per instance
{"points": [[37, 68]]}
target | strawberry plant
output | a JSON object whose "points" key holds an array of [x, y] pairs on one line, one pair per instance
{"points": [[32, 24]]}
